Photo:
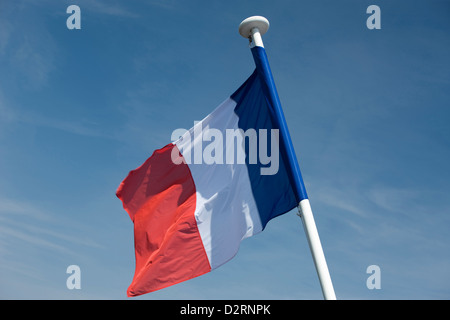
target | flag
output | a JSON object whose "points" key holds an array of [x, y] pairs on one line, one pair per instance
{"points": [[193, 201]]}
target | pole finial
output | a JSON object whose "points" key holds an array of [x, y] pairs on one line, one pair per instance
{"points": [[246, 26]]}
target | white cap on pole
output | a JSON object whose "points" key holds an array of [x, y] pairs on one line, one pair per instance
{"points": [[253, 28]]}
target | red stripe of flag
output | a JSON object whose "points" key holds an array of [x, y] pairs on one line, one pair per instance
{"points": [[160, 198]]}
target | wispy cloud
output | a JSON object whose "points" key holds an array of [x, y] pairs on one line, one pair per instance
{"points": [[34, 59], [9, 208], [27, 48], [38, 243], [5, 32], [32, 224], [110, 8], [166, 4], [6, 113], [9, 116], [25, 229], [77, 127], [339, 198]]}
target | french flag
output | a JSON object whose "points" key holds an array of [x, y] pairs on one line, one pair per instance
{"points": [[194, 200]]}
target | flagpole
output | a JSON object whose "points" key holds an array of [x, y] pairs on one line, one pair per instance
{"points": [[253, 28]]}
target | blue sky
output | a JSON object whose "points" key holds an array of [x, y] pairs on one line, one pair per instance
{"points": [[368, 113]]}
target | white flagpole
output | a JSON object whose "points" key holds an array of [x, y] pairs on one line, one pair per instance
{"points": [[305, 213], [253, 28]]}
